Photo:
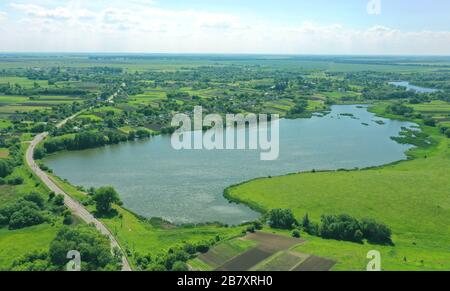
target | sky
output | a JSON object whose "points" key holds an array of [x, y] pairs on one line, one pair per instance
{"points": [[357, 27]]}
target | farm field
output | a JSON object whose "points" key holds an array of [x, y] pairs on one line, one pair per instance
{"points": [[262, 251]]}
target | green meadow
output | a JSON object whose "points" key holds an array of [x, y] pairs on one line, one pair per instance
{"points": [[411, 197]]}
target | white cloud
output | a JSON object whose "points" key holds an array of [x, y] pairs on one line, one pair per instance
{"points": [[3, 16], [143, 27]]}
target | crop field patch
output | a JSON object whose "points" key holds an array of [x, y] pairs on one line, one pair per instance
{"points": [[283, 261], [224, 252], [314, 263], [273, 242], [246, 260]]}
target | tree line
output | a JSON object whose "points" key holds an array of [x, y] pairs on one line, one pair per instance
{"points": [[341, 227]]}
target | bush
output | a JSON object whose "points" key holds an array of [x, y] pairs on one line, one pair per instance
{"points": [[20, 214], [296, 234], [180, 267], [281, 218], [58, 200], [447, 133], [376, 233], [5, 168], [202, 247], [251, 229], [35, 261], [25, 217], [36, 198], [15, 181], [68, 219], [340, 227], [258, 225], [430, 122]]}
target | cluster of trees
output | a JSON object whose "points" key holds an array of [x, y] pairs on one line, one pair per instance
{"points": [[23, 212], [282, 219], [340, 227], [84, 140], [175, 259], [6, 168], [94, 249], [347, 228], [300, 107], [400, 109]]}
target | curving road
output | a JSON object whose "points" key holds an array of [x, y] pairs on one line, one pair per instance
{"points": [[75, 207]]}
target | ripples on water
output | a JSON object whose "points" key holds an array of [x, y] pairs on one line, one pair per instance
{"points": [[187, 186]]}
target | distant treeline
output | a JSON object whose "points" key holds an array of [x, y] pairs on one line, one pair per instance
{"points": [[90, 139]]}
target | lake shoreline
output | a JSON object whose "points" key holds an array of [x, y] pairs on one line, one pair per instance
{"points": [[230, 200]]}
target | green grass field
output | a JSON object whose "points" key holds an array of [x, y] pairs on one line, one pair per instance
{"points": [[24, 82], [15, 243], [411, 197]]}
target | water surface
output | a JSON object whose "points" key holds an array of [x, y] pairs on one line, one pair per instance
{"points": [[155, 180], [410, 87]]}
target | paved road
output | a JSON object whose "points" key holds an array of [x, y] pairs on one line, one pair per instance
{"points": [[75, 207]]}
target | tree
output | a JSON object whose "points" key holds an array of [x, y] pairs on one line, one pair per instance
{"points": [[94, 249], [27, 216], [281, 218], [376, 232], [104, 197], [35, 198], [430, 122], [306, 222], [5, 168], [58, 200], [180, 266]]}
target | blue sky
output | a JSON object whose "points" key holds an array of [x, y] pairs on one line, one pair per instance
{"points": [[227, 26]]}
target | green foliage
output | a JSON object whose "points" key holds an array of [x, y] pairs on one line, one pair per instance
{"points": [[282, 219], [68, 219], [340, 227], [376, 233], [296, 233], [400, 109], [104, 198], [35, 261], [58, 200], [180, 266], [36, 198], [5, 168], [346, 228], [14, 181], [429, 122], [94, 248], [21, 213]]}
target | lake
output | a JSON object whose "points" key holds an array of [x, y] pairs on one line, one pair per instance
{"points": [[418, 89], [187, 186]]}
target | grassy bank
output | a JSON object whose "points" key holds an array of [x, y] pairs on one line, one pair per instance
{"points": [[411, 197]]}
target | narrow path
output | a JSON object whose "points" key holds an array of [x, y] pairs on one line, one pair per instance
{"points": [[75, 207]]}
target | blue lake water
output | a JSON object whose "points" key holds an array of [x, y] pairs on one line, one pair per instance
{"points": [[154, 180], [408, 86]]}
